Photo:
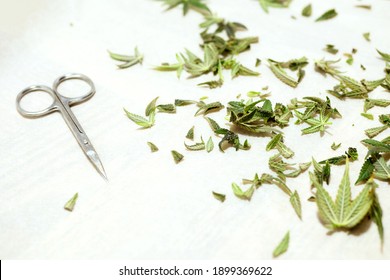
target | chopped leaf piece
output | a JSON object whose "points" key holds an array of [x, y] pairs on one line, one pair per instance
{"points": [[296, 203], [335, 146], [367, 36], [219, 196], [196, 146], [128, 60], [151, 107], [190, 133], [213, 124], [376, 216], [166, 108], [177, 157], [368, 116], [212, 84], [71, 203], [195, 5], [153, 147], [265, 4], [327, 15], [306, 11], [209, 145], [141, 121], [331, 49], [385, 56], [367, 7], [247, 195], [206, 108], [282, 246]]}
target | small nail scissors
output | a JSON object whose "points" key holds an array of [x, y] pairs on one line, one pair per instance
{"points": [[62, 104]]}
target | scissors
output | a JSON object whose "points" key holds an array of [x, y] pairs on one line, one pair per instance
{"points": [[62, 104]]}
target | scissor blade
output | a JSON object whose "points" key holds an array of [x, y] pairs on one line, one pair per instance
{"points": [[95, 160]]}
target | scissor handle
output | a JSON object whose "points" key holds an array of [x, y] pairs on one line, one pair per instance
{"points": [[79, 99], [35, 114]]}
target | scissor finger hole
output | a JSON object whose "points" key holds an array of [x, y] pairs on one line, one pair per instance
{"points": [[36, 101], [73, 88]]}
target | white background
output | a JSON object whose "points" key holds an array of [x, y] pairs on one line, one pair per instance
{"points": [[152, 208]]}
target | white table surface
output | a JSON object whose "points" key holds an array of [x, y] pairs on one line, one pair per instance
{"points": [[152, 208]]}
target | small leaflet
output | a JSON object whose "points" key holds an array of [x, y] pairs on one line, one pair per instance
{"points": [[296, 203], [177, 157], [195, 5], [282, 246], [71, 203], [127, 60], [209, 145], [376, 216], [197, 146], [368, 116], [307, 10], [153, 148], [331, 49], [151, 107], [335, 146], [367, 36], [366, 171], [367, 7], [327, 15], [219, 196], [245, 195], [166, 108], [265, 4], [141, 121], [258, 62], [385, 56], [190, 133]]}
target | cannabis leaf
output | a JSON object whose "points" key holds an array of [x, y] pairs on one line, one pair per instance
{"points": [[344, 213], [307, 10], [219, 196], [385, 56], [282, 246], [127, 59], [246, 195], [327, 15], [153, 147], [71, 203], [295, 64], [195, 5], [177, 157], [265, 4]]}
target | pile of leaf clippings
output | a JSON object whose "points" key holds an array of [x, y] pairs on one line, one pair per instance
{"points": [[221, 47]]}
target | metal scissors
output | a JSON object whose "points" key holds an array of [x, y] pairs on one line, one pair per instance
{"points": [[62, 104]]}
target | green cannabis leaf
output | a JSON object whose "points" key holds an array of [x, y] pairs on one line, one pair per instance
{"points": [[219, 196], [331, 49], [195, 5], [344, 213], [307, 10], [385, 56], [209, 145], [141, 121], [265, 4], [153, 147], [129, 60], [197, 146], [190, 133], [245, 195], [296, 203], [327, 15], [177, 157], [71, 203], [294, 64], [282, 246]]}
